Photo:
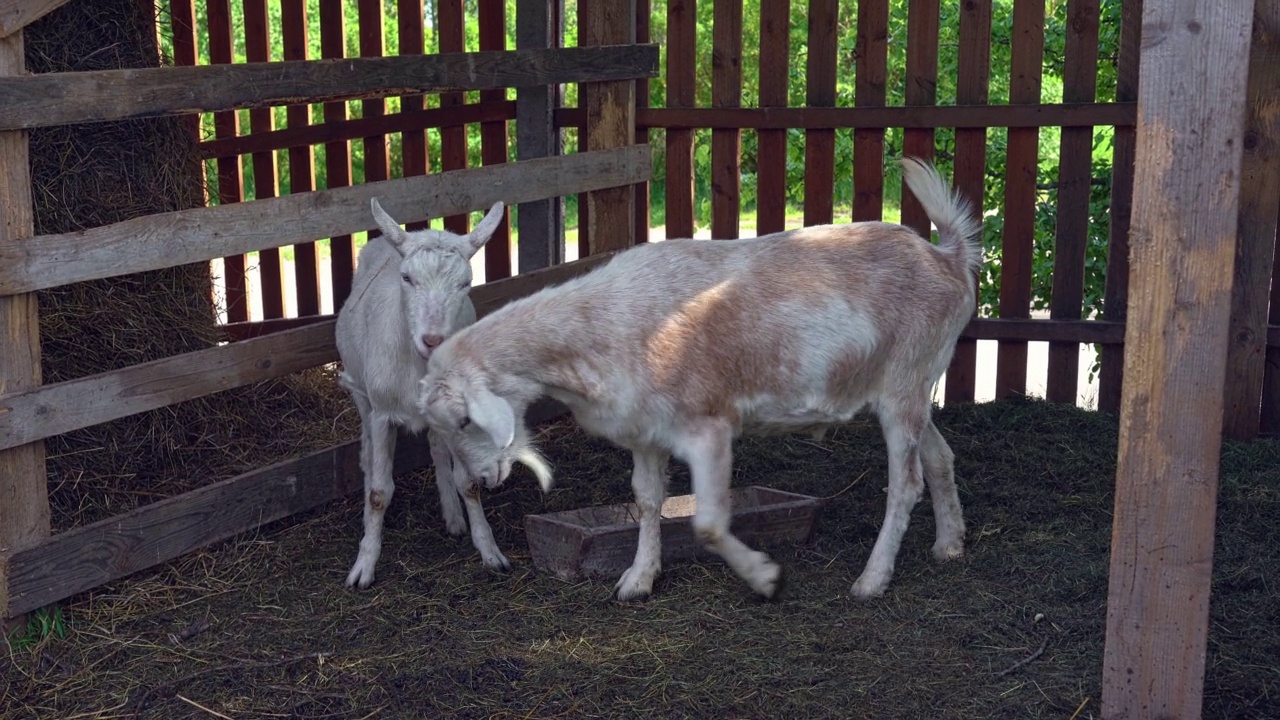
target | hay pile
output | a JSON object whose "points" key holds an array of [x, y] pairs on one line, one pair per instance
{"points": [[90, 175]]}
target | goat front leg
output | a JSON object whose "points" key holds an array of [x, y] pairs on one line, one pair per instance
{"points": [[902, 433], [450, 506], [708, 449], [379, 486], [481, 533], [649, 484], [939, 475]]}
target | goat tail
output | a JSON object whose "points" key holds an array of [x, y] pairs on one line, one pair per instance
{"points": [[958, 226]]}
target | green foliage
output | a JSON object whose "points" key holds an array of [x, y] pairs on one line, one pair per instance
{"points": [[45, 624]]}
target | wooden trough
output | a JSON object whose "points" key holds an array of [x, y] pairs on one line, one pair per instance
{"points": [[600, 541]]}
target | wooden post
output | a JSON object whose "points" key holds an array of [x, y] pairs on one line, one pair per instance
{"points": [[1190, 133], [682, 61], [611, 123], [726, 143], [1260, 186], [541, 238], [24, 498]]}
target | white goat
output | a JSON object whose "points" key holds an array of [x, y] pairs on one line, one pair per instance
{"points": [[410, 292], [676, 348]]}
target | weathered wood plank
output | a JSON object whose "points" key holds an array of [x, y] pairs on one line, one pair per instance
{"points": [[820, 91], [337, 152], [611, 123], [230, 174], [182, 23], [1074, 185], [1034, 330], [682, 62], [644, 17], [922, 91], [1255, 249], [541, 241], [493, 139], [1031, 115], [774, 73], [271, 282], [1115, 299], [176, 238], [972, 81], [24, 495], [17, 14], [77, 97], [869, 92], [726, 144], [451, 38], [414, 149], [306, 259], [377, 153], [1020, 196], [1185, 219]]}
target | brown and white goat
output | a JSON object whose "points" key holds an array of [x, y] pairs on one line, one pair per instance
{"points": [[678, 347]]}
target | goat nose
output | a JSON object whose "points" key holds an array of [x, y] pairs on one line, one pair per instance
{"points": [[432, 341]]}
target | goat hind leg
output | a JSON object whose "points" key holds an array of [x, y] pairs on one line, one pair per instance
{"points": [[649, 483], [939, 475], [902, 431], [450, 505]]}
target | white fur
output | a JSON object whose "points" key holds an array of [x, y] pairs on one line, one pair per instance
{"points": [[676, 348], [410, 291]]}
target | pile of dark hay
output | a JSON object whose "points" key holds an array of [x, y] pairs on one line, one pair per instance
{"points": [[91, 175], [261, 626]]}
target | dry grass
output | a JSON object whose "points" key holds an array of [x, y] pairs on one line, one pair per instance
{"points": [[262, 627]]}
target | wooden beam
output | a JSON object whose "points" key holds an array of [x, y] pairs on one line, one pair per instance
{"points": [[611, 123], [1068, 331], [1259, 188], [1185, 219], [90, 556], [187, 236], [77, 97], [24, 495], [541, 242], [17, 14]]}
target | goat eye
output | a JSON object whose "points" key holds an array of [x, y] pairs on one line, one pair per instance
{"points": [[466, 422], [464, 285], [405, 277]]}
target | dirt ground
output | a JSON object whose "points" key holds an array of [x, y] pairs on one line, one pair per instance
{"points": [[262, 627]]}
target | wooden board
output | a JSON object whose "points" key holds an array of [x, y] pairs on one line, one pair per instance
{"points": [[337, 152], [820, 91], [869, 92], [1020, 197], [611, 123], [644, 16], [76, 97], [774, 74], [541, 241], [271, 282], [1255, 249], [1185, 213], [974, 76], [493, 140], [922, 90], [306, 259], [1115, 300], [414, 150], [1032, 115], [1075, 179], [682, 62], [17, 14], [377, 159], [230, 180], [726, 143], [24, 495], [182, 23], [451, 37], [175, 238]]}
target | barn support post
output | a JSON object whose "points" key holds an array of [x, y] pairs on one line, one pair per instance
{"points": [[1186, 192], [541, 223], [24, 499], [1259, 188], [611, 123]]}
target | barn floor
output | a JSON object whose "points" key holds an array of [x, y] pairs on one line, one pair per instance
{"points": [[262, 627]]}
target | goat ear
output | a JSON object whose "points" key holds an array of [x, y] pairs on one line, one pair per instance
{"points": [[391, 229], [493, 415], [484, 229]]}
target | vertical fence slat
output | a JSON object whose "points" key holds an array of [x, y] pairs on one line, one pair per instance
{"points": [[611, 122], [1115, 298], [413, 143], [306, 261], [682, 57], [726, 144], [1020, 196], [227, 125], [453, 140], [493, 139], [377, 163], [584, 207], [644, 12], [182, 22], [24, 493], [820, 144], [337, 154], [257, 49], [1256, 237], [541, 241], [869, 91], [1075, 171], [922, 89], [972, 82], [775, 71]]}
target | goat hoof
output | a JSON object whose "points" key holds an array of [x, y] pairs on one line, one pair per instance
{"points": [[779, 585], [640, 597]]}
